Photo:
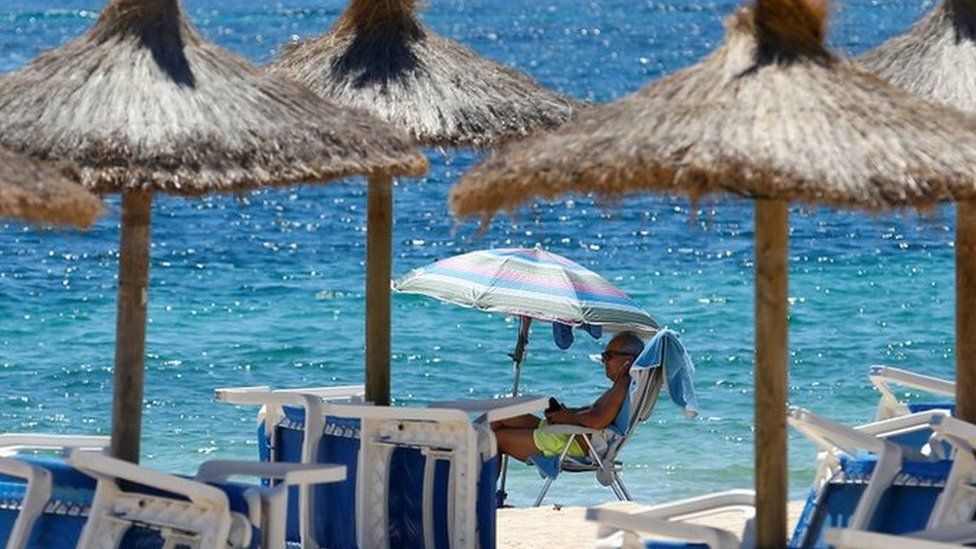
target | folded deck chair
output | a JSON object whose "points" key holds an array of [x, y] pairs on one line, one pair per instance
{"points": [[953, 518], [866, 483], [883, 377], [663, 362], [417, 477], [136, 506]]}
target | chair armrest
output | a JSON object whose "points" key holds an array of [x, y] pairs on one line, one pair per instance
{"points": [[567, 429], [823, 431], [35, 499], [13, 443], [895, 425], [496, 409], [842, 538], [887, 374], [957, 432], [700, 506], [257, 395], [293, 474], [715, 538], [108, 468], [341, 392]]}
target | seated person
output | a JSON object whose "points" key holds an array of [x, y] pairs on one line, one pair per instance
{"points": [[523, 436]]}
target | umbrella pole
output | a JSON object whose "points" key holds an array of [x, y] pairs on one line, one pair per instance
{"points": [[966, 311], [517, 356], [379, 241], [130, 327], [519, 353], [772, 272]]}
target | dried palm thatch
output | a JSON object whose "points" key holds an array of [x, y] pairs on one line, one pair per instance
{"points": [[143, 104], [770, 114], [380, 58], [142, 101], [936, 59], [33, 192]]}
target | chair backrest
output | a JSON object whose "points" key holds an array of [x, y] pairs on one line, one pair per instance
{"points": [[904, 506], [645, 387]]}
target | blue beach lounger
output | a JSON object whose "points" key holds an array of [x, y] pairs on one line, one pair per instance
{"points": [[953, 518], [78, 501], [863, 481], [43, 501], [418, 477]]}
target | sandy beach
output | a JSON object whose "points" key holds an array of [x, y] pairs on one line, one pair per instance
{"points": [[556, 526]]}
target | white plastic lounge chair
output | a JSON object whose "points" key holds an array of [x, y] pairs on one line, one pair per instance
{"points": [[883, 377], [418, 477], [603, 445], [204, 513], [39, 501], [284, 417], [953, 519], [863, 478]]}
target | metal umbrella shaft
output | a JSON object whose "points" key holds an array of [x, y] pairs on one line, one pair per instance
{"points": [[517, 356]]}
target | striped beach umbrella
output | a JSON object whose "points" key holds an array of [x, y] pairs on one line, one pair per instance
{"points": [[530, 284]]}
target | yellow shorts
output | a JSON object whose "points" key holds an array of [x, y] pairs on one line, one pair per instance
{"points": [[552, 444]]}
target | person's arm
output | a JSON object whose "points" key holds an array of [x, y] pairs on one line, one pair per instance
{"points": [[598, 416]]}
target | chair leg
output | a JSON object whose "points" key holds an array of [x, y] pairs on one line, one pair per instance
{"points": [[616, 491], [542, 494], [623, 489]]}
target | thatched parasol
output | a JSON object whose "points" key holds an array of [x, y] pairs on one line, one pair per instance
{"points": [[771, 115], [380, 58], [33, 192], [936, 59], [142, 103]]}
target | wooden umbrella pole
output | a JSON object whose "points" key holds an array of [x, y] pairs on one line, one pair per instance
{"points": [[379, 243], [772, 272], [130, 327], [966, 311]]}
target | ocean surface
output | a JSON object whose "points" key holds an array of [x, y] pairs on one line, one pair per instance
{"points": [[267, 288]]}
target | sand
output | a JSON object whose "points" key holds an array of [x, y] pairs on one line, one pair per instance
{"points": [[554, 527]]}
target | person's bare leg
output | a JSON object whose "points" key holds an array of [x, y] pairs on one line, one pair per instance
{"points": [[525, 421], [518, 443]]}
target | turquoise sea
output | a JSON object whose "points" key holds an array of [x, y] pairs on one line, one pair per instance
{"points": [[267, 288]]}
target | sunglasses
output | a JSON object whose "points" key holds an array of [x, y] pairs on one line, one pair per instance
{"points": [[607, 355]]}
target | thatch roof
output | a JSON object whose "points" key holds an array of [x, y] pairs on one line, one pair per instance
{"points": [[769, 114], [33, 192], [143, 101], [380, 58], [936, 59]]}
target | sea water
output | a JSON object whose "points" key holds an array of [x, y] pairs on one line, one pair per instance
{"points": [[267, 288]]}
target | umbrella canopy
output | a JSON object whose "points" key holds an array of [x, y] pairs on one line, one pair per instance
{"points": [[380, 58], [528, 282], [143, 103], [936, 59], [33, 192], [772, 115]]}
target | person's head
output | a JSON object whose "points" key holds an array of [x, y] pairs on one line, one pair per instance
{"points": [[621, 353]]}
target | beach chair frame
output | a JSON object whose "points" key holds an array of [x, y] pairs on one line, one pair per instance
{"points": [[201, 517], [830, 437], [889, 406], [603, 463], [38, 480], [314, 401], [951, 523]]}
